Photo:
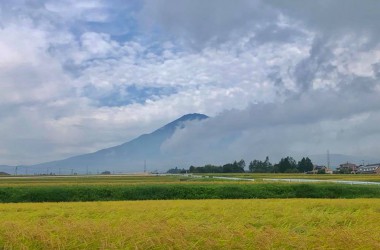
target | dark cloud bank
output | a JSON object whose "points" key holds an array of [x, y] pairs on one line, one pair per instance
{"points": [[332, 105]]}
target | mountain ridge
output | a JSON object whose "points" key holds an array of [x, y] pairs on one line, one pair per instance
{"points": [[126, 156], [133, 155]]}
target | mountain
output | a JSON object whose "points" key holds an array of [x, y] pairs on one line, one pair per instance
{"points": [[4, 169], [3, 173], [131, 156]]}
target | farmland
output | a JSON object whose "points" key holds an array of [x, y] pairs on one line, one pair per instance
{"points": [[179, 212], [91, 180], [346, 177], [205, 224], [151, 187]]}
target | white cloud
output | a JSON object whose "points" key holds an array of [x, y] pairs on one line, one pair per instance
{"points": [[91, 11], [317, 121], [28, 72], [59, 60]]}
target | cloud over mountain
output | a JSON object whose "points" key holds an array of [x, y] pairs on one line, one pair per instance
{"points": [[278, 77]]}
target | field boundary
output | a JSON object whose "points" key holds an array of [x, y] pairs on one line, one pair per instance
{"points": [[325, 181]]}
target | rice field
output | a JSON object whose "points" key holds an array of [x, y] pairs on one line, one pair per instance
{"points": [[343, 177], [161, 218], [96, 180], [152, 187], [193, 224], [83, 180]]}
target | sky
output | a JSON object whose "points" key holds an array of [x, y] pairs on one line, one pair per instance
{"points": [[277, 78]]}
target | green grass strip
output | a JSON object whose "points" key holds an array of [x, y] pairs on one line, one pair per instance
{"points": [[184, 191]]}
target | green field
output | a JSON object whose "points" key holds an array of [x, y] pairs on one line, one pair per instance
{"points": [[150, 187], [185, 191]]}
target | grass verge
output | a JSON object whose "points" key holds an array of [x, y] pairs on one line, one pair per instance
{"points": [[184, 191]]}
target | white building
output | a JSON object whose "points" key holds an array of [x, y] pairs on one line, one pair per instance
{"points": [[370, 169]]}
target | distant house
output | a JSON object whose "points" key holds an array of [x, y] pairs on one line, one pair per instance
{"points": [[370, 169], [329, 171], [348, 168], [320, 170]]}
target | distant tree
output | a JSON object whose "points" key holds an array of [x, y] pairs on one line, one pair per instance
{"points": [[176, 170], [287, 165], [267, 162], [344, 171], [235, 167], [212, 169], [321, 171], [228, 168], [173, 171], [291, 170], [191, 169], [206, 169], [305, 165], [241, 164], [257, 166]]}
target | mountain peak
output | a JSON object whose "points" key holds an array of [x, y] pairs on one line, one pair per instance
{"points": [[189, 117], [193, 116]]}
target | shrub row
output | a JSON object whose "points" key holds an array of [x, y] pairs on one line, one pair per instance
{"points": [[184, 191]]}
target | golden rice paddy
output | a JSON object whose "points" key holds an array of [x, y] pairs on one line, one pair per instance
{"points": [[193, 224]]}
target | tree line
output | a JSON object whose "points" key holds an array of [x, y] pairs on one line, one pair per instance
{"points": [[285, 165]]}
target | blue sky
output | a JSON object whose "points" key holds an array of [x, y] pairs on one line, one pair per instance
{"points": [[280, 77]]}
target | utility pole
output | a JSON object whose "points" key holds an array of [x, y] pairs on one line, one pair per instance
{"points": [[144, 166], [72, 171], [16, 170], [328, 159]]}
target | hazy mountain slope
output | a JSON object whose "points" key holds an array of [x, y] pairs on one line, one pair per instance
{"points": [[5, 169], [127, 157]]}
